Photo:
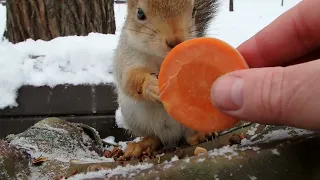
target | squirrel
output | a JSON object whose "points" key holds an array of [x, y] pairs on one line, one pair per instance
{"points": [[151, 29]]}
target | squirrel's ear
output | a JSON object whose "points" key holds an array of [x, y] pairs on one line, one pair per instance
{"points": [[193, 3], [132, 3]]}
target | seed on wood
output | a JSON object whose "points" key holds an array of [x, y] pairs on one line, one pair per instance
{"points": [[236, 139], [199, 150]]}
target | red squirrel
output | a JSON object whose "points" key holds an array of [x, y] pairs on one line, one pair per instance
{"points": [[151, 29]]}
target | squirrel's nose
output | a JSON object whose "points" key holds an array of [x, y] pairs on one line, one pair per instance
{"points": [[173, 43]]}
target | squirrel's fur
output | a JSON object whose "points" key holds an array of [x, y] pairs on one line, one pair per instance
{"points": [[142, 46]]}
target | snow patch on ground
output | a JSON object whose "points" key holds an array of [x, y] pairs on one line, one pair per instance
{"points": [[187, 160], [167, 165], [83, 156], [278, 135], [174, 158], [253, 178], [126, 172], [226, 151], [216, 177], [253, 130], [275, 151], [110, 140], [229, 152], [201, 160]]}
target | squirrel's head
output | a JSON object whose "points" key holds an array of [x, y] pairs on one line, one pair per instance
{"points": [[157, 26]]}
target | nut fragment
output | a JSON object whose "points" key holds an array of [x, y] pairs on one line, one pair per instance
{"points": [[107, 154], [39, 160], [199, 150], [236, 139], [116, 152]]}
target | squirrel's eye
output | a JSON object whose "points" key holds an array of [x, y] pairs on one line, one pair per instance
{"points": [[194, 12], [140, 15]]}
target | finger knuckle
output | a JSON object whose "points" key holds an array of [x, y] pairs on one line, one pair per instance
{"points": [[272, 93]]}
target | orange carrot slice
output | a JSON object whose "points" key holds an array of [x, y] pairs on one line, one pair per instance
{"points": [[186, 77]]}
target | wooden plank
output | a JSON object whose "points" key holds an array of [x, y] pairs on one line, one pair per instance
{"points": [[63, 100]]}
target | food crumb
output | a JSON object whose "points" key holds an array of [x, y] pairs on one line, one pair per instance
{"points": [[199, 150], [275, 151]]}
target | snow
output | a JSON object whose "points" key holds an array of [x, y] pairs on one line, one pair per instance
{"points": [[126, 171], [253, 130], [110, 140], [201, 160], [186, 160], [83, 155], [278, 135], [216, 177], [174, 158], [249, 17], [275, 151], [86, 59], [119, 119], [167, 165], [253, 178], [226, 151], [229, 152], [75, 60]]}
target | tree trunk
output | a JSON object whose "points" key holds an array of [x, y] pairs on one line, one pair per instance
{"points": [[48, 19], [231, 5]]}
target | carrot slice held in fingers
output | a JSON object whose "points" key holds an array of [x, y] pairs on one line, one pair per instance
{"points": [[186, 77]]}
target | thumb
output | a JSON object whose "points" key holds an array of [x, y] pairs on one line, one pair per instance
{"points": [[277, 95]]}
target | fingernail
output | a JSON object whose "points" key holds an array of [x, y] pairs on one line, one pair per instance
{"points": [[227, 93]]}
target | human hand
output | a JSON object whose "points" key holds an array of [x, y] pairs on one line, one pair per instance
{"points": [[277, 89]]}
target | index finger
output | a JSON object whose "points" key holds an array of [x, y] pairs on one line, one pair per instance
{"points": [[293, 34]]}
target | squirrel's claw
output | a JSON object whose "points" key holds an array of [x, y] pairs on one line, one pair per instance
{"points": [[151, 88], [153, 93], [135, 149], [199, 137]]}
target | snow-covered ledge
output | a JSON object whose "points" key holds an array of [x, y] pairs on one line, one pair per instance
{"points": [[67, 76], [72, 61]]}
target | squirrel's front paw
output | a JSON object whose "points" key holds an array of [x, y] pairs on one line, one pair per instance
{"points": [[135, 149], [150, 88]]}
